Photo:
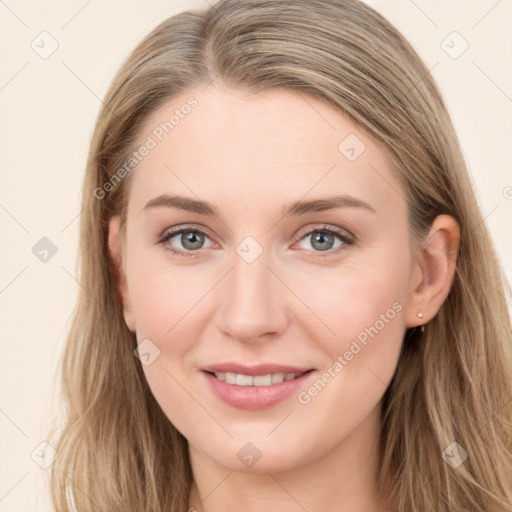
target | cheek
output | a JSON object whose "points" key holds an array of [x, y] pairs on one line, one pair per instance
{"points": [[168, 303], [356, 296], [165, 296], [365, 309], [359, 323]]}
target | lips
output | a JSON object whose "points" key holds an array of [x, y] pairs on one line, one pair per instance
{"points": [[255, 387]]}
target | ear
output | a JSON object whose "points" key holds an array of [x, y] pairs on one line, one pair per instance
{"points": [[433, 271], [116, 251]]}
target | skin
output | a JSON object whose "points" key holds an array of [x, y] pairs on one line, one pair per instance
{"points": [[251, 156]]}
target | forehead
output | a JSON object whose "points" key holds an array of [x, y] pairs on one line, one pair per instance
{"points": [[255, 147]]}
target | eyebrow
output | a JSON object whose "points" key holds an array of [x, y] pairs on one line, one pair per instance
{"points": [[295, 209]]}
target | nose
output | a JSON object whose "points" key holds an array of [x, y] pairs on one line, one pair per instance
{"points": [[253, 301]]}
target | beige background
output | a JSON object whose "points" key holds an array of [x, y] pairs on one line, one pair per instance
{"points": [[48, 107]]}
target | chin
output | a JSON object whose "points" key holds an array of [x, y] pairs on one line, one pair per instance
{"points": [[256, 458]]}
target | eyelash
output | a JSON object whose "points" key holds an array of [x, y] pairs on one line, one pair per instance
{"points": [[325, 229]]}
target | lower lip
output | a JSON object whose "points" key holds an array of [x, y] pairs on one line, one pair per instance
{"points": [[255, 398]]}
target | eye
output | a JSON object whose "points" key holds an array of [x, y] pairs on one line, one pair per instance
{"points": [[328, 240], [191, 240]]}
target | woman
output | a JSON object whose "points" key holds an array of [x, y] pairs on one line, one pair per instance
{"points": [[290, 300]]}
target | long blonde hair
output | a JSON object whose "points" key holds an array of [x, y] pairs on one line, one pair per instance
{"points": [[117, 450]]}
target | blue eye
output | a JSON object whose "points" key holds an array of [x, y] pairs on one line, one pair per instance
{"points": [[323, 240], [192, 241]]}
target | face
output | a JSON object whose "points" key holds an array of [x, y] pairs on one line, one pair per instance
{"points": [[300, 263]]}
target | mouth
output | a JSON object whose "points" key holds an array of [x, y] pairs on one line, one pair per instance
{"points": [[255, 388]]}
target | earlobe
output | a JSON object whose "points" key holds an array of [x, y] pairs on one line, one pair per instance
{"points": [[116, 253], [435, 266]]}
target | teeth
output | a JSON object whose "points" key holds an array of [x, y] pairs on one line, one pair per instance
{"points": [[259, 380], [277, 378], [243, 380]]}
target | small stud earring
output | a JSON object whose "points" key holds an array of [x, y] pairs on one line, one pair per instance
{"points": [[422, 328]]}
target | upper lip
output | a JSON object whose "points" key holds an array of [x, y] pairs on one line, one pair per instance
{"points": [[259, 369]]}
